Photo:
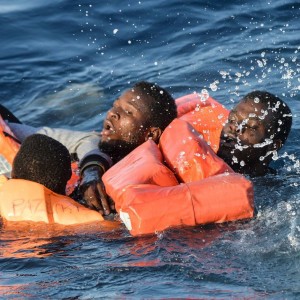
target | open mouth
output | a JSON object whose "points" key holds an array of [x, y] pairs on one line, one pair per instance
{"points": [[228, 141], [108, 128]]}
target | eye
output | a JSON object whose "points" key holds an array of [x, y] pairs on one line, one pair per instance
{"points": [[253, 128], [115, 104], [128, 112], [231, 120]]}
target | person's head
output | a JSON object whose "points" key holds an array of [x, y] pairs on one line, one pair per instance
{"points": [[257, 127], [140, 113], [43, 160]]}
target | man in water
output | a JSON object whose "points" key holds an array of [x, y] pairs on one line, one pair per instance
{"points": [[256, 129], [139, 114]]}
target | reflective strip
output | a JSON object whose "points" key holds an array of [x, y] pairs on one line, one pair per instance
{"points": [[126, 219]]}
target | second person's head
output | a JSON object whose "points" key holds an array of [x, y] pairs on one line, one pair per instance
{"points": [[257, 127]]}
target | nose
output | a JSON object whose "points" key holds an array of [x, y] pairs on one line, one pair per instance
{"points": [[236, 128], [233, 126], [113, 113]]}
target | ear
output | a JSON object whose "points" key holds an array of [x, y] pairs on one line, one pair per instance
{"points": [[154, 134], [276, 145]]}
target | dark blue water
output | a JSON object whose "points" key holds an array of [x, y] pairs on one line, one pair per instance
{"points": [[63, 62]]}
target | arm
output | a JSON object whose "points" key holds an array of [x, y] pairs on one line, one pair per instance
{"points": [[84, 144]]}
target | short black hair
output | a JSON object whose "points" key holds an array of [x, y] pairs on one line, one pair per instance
{"points": [[162, 108], [43, 160], [281, 113]]}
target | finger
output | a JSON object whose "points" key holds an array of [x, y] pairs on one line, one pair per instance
{"points": [[93, 199], [103, 198], [111, 204]]}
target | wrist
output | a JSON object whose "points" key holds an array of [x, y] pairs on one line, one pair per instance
{"points": [[91, 175], [92, 167], [94, 160]]}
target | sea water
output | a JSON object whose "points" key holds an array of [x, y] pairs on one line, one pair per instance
{"points": [[63, 63]]}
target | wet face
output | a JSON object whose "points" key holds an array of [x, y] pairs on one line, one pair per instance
{"points": [[126, 122], [247, 136]]}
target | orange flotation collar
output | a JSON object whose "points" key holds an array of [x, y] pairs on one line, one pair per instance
{"points": [[148, 198], [23, 200], [188, 155], [149, 208], [205, 114], [142, 165]]}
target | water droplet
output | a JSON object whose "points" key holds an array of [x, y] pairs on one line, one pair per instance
{"points": [[213, 86], [204, 95], [260, 63]]}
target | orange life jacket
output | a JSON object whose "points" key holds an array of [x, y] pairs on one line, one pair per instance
{"points": [[148, 198], [205, 114], [149, 208], [142, 165], [8, 148], [23, 200], [188, 155]]}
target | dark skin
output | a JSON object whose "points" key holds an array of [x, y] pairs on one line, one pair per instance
{"points": [[246, 141], [126, 126]]}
